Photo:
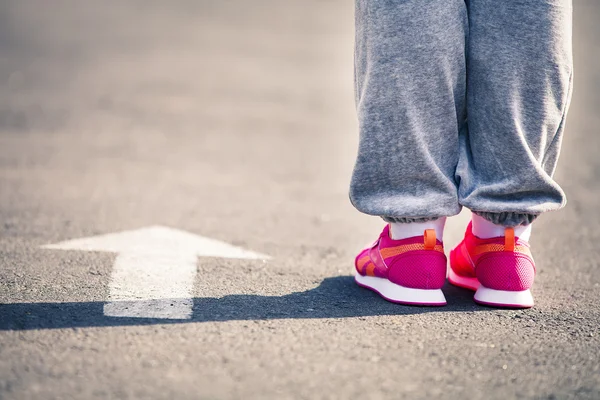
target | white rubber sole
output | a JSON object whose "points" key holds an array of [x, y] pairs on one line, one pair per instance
{"points": [[400, 294], [503, 298]]}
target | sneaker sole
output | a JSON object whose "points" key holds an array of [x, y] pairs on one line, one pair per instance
{"points": [[466, 282], [503, 298], [491, 297], [400, 294]]}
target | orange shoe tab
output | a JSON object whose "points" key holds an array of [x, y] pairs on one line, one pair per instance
{"points": [[509, 239], [429, 239]]}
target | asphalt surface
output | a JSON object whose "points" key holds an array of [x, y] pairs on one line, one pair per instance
{"points": [[235, 120]]}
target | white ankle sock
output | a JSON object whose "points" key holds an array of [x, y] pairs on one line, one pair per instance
{"points": [[405, 230], [484, 229]]}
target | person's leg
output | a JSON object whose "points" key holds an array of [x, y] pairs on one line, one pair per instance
{"points": [[519, 77], [410, 98]]}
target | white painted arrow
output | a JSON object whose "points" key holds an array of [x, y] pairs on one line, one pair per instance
{"points": [[154, 272]]}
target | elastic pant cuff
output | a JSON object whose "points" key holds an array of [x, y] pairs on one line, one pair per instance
{"points": [[406, 220], [509, 219]]}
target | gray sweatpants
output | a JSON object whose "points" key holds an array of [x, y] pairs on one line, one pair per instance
{"points": [[460, 103]]}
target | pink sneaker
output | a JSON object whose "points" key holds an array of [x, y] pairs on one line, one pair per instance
{"points": [[407, 271], [500, 270]]}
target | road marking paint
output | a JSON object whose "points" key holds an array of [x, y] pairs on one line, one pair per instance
{"points": [[154, 271]]}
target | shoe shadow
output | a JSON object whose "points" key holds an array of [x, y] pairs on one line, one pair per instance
{"points": [[335, 297]]}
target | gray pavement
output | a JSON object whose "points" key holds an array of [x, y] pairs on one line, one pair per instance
{"points": [[234, 120]]}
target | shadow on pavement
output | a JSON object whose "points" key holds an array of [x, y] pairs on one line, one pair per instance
{"points": [[335, 297]]}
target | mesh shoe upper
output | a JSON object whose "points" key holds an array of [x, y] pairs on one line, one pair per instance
{"points": [[502, 263], [418, 262]]}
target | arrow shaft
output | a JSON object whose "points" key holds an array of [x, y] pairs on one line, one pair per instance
{"points": [[152, 286]]}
